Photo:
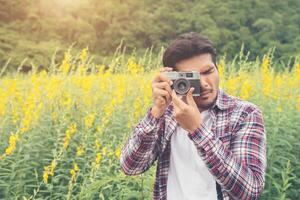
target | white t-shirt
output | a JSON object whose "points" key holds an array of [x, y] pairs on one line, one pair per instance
{"points": [[189, 178]]}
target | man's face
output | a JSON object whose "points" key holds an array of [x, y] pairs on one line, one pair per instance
{"points": [[209, 78]]}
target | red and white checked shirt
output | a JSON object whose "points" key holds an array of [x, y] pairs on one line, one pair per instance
{"points": [[234, 150]]}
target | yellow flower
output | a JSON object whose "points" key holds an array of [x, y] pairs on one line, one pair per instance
{"points": [[89, 120], [133, 67], [15, 116], [137, 107], [265, 63], [267, 76], [83, 54], [98, 158], [297, 71], [246, 90], [80, 151], [118, 153], [53, 165], [65, 65], [101, 69], [81, 69], [49, 171], [221, 67], [45, 176], [66, 100], [43, 74], [13, 139], [97, 144], [24, 129], [3, 100], [54, 116], [104, 151], [232, 84], [279, 109], [76, 168], [69, 133], [74, 171], [100, 127]]}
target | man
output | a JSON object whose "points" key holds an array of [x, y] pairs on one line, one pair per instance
{"points": [[207, 147]]}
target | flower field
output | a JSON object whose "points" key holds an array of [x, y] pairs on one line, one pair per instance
{"points": [[62, 130]]}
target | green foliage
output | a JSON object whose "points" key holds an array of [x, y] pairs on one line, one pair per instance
{"points": [[32, 29]]}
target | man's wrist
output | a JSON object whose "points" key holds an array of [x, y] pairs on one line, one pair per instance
{"points": [[150, 123], [192, 131], [156, 112]]}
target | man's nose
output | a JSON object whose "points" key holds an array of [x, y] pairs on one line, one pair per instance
{"points": [[203, 82]]}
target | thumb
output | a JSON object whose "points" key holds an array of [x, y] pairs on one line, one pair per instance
{"points": [[189, 98]]}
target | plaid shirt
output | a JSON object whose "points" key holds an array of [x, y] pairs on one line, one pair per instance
{"points": [[234, 150]]}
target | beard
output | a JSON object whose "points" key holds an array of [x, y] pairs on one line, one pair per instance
{"points": [[205, 103], [205, 106]]}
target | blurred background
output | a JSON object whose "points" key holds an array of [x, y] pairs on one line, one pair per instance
{"points": [[75, 79], [35, 29]]}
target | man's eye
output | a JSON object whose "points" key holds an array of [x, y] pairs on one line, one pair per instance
{"points": [[209, 71]]}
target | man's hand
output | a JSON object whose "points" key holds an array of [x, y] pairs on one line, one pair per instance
{"points": [[161, 91], [186, 114]]}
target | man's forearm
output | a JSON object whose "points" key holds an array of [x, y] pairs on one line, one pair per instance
{"points": [[140, 151]]}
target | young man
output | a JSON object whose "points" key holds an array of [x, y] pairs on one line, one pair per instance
{"points": [[207, 147]]}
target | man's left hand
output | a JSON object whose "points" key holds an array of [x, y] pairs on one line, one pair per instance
{"points": [[186, 114]]}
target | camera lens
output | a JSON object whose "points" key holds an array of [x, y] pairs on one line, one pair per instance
{"points": [[181, 86]]}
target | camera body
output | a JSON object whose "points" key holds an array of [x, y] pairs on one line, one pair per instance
{"points": [[183, 81]]}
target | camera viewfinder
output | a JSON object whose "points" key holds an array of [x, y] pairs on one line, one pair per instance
{"points": [[189, 75]]}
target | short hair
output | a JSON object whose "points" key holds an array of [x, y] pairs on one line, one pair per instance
{"points": [[187, 46]]}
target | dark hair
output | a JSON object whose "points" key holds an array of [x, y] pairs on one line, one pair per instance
{"points": [[187, 46]]}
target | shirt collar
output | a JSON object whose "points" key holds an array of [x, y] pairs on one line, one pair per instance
{"points": [[223, 100]]}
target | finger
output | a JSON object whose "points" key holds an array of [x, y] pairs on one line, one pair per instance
{"points": [[189, 97], [163, 85], [161, 93], [176, 109], [175, 113], [166, 69], [179, 103], [162, 78], [161, 100]]}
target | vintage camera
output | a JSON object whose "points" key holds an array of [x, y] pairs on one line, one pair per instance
{"points": [[183, 81]]}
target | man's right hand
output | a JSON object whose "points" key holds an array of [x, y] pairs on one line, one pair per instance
{"points": [[162, 92]]}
